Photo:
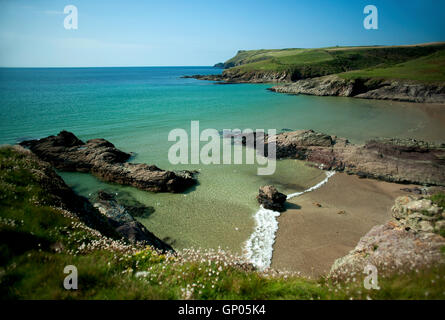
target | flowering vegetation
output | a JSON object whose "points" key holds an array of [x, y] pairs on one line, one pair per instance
{"points": [[37, 240]]}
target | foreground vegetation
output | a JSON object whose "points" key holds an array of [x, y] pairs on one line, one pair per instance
{"points": [[396, 62], [38, 240]]}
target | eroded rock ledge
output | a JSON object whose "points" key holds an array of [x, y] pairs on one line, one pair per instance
{"points": [[398, 90], [101, 158], [393, 160]]}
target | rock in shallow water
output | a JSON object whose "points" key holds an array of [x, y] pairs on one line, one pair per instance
{"points": [[125, 224], [101, 158], [270, 198]]}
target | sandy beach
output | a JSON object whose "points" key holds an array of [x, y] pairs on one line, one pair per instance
{"points": [[323, 225]]}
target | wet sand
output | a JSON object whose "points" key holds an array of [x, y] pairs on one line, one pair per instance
{"points": [[311, 237]]}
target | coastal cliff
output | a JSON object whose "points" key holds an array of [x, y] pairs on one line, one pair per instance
{"points": [[400, 73]]}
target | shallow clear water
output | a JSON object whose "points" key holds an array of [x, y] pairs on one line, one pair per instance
{"points": [[135, 108]]}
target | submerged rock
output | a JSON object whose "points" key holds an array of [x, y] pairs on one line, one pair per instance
{"points": [[125, 224], [270, 198], [101, 158]]}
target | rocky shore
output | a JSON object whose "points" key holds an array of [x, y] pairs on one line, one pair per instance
{"points": [[333, 85], [101, 158], [234, 76], [105, 216], [393, 160], [398, 90], [409, 241]]}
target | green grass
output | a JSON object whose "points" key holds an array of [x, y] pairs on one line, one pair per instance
{"points": [[38, 241], [425, 69], [439, 199], [308, 63]]}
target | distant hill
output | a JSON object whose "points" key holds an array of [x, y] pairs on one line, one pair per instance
{"points": [[279, 65]]}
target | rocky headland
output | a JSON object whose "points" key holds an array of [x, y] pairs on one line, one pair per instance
{"points": [[393, 160], [398, 90], [102, 159]]}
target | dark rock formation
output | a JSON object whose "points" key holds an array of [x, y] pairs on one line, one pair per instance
{"points": [[394, 160], [101, 158], [270, 198], [399, 90], [124, 199], [210, 77], [125, 224]]}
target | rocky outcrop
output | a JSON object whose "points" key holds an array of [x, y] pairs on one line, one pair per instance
{"points": [[418, 214], [399, 90], [242, 76], [403, 244], [394, 160], [101, 158], [125, 224], [105, 216], [270, 198], [210, 77]]}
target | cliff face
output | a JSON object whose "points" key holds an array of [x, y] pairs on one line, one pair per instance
{"points": [[399, 90], [242, 76]]}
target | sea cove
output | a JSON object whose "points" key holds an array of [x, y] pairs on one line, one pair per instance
{"points": [[136, 108]]}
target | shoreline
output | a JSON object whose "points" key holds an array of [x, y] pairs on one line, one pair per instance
{"points": [[322, 226], [397, 90], [259, 247]]}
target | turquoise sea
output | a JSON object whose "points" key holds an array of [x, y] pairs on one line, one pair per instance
{"points": [[135, 108]]}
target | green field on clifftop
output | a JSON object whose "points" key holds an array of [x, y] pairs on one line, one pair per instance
{"points": [[426, 69], [308, 63]]}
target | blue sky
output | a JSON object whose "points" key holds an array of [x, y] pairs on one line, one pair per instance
{"points": [[189, 32]]}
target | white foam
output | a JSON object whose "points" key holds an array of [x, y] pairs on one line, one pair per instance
{"points": [[318, 185], [259, 247]]}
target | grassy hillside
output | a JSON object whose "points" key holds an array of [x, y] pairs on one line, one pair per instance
{"points": [[38, 240], [430, 68], [307, 63]]}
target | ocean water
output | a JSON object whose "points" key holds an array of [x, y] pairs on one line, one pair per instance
{"points": [[136, 108]]}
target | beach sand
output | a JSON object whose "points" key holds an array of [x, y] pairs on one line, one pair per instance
{"points": [[310, 238]]}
